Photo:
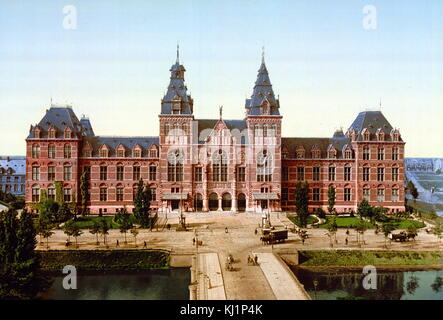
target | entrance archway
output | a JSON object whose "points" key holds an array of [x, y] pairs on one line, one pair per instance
{"points": [[198, 202], [241, 202], [213, 202], [226, 202]]}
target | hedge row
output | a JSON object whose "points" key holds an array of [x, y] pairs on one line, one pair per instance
{"points": [[55, 260], [369, 257]]}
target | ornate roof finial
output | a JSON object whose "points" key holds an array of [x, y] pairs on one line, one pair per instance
{"points": [[178, 52], [221, 111], [263, 54]]}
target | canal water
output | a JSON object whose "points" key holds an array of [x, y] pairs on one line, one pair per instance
{"points": [[391, 285], [169, 284]]}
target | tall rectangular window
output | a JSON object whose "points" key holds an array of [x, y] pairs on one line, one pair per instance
{"points": [[152, 173], [395, 153], [285, 173], [380, 195], [381, 154], [103, 173], [241, 174], [331, 174], [120, 173], [365, 174], [36, 151], [316, 194], [67, 152], [366, 153], [347, 194], [347, 174], [316, 173], [380, 174], [395, 195], [103, 194], [198, 174], [154, 194], [120, 192], [35, 173], [51, 173], [51, 151], [215, 172], [394, 174], [300, 173], [135, 173], [67, 173], [367, 193], [67, 195]]}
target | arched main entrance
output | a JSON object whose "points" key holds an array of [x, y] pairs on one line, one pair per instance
{"points": [[213, 202], [241, 202], [198, 202], [226, 202]]}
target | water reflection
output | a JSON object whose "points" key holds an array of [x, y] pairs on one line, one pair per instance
{"points": [[124, 285], [391, 285]]}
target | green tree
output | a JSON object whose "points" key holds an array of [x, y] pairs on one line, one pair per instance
{"points": [[84, 190], [125, 223], [76, 232], [364, 209], [95, 229], [301, 202], [64, 213], [413, 190], [104, 229], [331, 199], [142, 204], [48, 210], [361, 229], [332, 228], [19, 265], [68, 229], [134, 233]]}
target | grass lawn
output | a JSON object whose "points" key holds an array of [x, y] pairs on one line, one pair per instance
{"points": [[345, 222], [405, 223], [296, 220]]}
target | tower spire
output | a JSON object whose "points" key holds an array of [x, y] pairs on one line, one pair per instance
{"points": [[263, 54], [178, 53]]}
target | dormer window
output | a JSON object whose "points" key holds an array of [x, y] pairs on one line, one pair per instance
{"points": [[37, 133], [68, 134], [104, 152], [332, 153], [121, 152], [300, 153], [380, 135], [316, 153], [153, 153], [366, 134], [137, 152], [176, 105], [348, 154], [51, 133], [395, 135]]}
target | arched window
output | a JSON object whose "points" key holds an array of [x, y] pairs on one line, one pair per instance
{"points": [[67, 194], [256, 130], [153, 152], [67, 173], [380, 194], [35, 173], [103, 193], [36, 193], [219, 166], [51, 151], [67, 151], [166, 128], [51, 133], [265, 130], [265, 163], [137, 152], [51, 192]]}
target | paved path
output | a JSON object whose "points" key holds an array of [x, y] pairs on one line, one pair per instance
{"points": [[210, 279], [283, 283]]}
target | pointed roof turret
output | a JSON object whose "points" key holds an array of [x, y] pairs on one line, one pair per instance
{"points": [[176, 99], [263, 100]]}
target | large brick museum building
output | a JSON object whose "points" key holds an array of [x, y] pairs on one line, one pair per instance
{"points": [[215, 164]]}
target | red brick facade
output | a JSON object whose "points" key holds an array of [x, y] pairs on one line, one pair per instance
{"points": [[207, 165]]}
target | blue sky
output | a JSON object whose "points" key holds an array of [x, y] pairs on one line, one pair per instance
{"points": [[323, 63]]}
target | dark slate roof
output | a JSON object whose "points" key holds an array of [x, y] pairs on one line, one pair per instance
{"points": [[17, 164], [262, 91], [339, 141], [177, 88], [60, 118], [87, 127], [371, 120], [205, 127], [128, 142]]}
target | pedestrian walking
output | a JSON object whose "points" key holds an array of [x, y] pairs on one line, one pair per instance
{"points": [[346, 240], [118, 243], [145, 245], [255, 231], [226, 230]]}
